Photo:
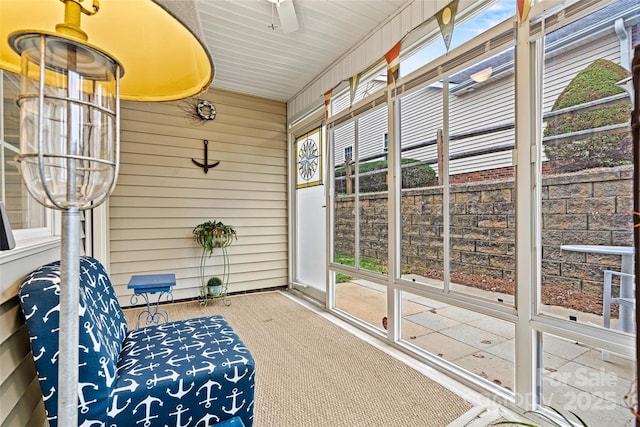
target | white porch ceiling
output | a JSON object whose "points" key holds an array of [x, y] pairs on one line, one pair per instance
{"points": [[252, 58]]}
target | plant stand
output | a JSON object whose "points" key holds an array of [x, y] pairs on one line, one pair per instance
{"points": [[204, 292]]}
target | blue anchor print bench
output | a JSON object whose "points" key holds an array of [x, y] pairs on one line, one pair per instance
{"points": [[193, 372]]}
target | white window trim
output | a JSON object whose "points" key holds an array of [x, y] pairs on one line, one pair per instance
{"points": [[30, 236]]}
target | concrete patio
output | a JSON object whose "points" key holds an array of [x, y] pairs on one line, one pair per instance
{"points": [[575, 376]]}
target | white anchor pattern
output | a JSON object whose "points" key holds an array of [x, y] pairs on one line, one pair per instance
{"points": [[195, 372]]}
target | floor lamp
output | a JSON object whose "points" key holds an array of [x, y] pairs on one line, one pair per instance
{"points": [[69, 115], [69, 145]]}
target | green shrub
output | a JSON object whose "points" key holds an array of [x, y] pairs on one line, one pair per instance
{"points": [[597, 149], [418, 176], [373, 165], [412, 177], [214, 281]]}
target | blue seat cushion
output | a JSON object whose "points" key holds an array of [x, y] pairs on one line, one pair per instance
{"points": [[102, 328], [191, 372]]}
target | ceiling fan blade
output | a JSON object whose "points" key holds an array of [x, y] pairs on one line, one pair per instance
{"points": [[287, 15]]}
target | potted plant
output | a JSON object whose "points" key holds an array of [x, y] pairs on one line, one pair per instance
{"points": [[214, 286], [211, 235]]}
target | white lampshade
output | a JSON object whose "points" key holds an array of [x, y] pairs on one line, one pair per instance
{"points": [[68, 120]]}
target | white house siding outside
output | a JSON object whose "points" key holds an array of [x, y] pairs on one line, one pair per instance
{"points": [[371, 129], [558, 73], [420, 116], [343, 134]]}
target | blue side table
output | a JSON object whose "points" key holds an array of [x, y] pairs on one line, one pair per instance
{"points": [[144, 286]]}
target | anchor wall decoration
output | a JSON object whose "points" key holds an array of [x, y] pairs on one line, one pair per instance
{"points": [[206, 166]]}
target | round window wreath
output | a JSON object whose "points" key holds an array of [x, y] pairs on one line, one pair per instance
{"points": [[206, 110]]}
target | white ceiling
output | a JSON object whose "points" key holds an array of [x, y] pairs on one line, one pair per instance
{"points": [[252, 58]]}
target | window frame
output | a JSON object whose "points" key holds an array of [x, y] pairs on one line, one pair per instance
{"points": [[24, 237]]}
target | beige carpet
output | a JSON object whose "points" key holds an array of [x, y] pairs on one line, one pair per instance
{"points": [[311, 372]]}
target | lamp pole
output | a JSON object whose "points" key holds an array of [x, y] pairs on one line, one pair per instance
{"points": [[69, 319], [68, 338]]}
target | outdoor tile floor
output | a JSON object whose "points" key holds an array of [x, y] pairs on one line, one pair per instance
{"points": [[575, 378]]}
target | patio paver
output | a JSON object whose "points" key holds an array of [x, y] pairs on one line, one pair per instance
{"points": [[441, 345], [485, 346]]}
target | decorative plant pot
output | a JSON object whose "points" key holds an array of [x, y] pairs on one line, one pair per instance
{"points": [[214, 290], [214, 286], [223, 240]]}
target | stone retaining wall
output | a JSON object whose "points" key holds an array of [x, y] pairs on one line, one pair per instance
{"points": [[591, 207]]}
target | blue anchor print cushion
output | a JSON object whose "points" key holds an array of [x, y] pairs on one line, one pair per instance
{"points": [[195, 372], [103, 327]]}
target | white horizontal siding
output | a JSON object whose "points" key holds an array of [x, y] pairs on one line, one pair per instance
{"points": [[562, 67], [480, 163], [343, 136], [489, 104], [371, 129], [420, 118], [161, 195]]}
